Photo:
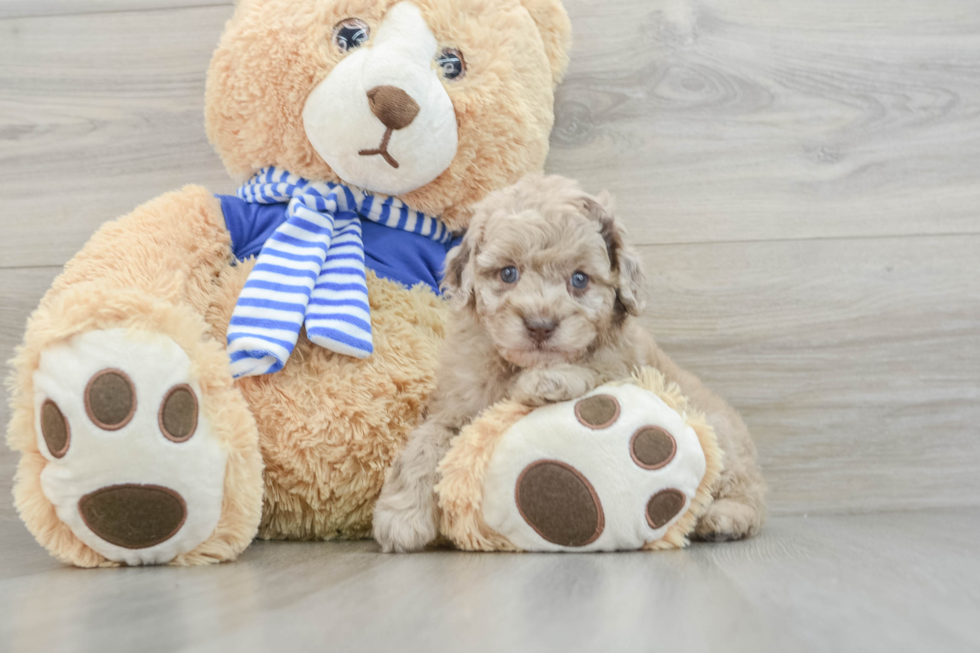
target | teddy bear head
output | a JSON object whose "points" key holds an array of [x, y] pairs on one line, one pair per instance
{"points": [[437, 102]]}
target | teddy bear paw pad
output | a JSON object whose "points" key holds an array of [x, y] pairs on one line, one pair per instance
{"points": [[133, 467], [559, 503], [612, 471]]}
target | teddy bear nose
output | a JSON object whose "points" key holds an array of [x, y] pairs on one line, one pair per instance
{"points": [[393, 106], [540, 329]]}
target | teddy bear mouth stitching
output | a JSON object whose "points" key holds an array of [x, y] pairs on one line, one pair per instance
{"points": [[396, 110], [383, 150]]}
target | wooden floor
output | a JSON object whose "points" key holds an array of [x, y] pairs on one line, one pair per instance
{"points": [[895, 582], [803, 179]]}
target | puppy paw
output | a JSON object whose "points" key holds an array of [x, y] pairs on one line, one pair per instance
{"points": [[537, 387], [403, 523], [727, 520]]}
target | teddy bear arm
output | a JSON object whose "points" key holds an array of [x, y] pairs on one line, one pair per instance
{"points": [[171, 247]]}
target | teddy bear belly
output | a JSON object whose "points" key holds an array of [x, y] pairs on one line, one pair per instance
{"points": [[330, 425]]}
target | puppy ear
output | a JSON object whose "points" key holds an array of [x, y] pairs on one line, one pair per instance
{"points": [[457, 284], [625, 261], [606, 200], [631, 280]]}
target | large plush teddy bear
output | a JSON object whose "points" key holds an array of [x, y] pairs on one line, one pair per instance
{"points": [[208, 368]]}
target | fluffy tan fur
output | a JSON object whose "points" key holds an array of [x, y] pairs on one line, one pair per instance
{"points": [[330, 425], [463, 470]]}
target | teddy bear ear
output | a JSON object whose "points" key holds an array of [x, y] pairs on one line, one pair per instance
{"points": [[556, 31]]}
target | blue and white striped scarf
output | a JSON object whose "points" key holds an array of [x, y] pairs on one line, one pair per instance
{"points": [[312, 270]]}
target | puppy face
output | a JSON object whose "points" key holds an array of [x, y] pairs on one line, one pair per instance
{"points": [[545, 270]]}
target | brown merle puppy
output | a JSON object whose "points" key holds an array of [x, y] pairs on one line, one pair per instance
{"points": [[546, 296]]}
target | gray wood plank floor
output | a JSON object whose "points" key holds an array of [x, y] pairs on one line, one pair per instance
{"points": [[886, 582], [801, 178], [29, 8]]}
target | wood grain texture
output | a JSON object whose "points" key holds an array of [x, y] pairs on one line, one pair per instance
{"points": [[25, 8], [746, 120], [898, 582], [108, 109], [715, 121], [856, 363]]}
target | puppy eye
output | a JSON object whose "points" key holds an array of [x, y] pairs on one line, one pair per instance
{"points": [[580, 281], [510, 274], [452, 63], [350, 34]]}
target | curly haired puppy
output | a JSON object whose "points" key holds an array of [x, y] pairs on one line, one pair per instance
{"points": [[546, 296]]}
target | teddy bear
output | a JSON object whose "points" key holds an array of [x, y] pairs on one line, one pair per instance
{"points": [[209, 369]]}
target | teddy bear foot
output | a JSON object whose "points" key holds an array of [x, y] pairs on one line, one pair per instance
{"points": [[134, 469], [613, 471]]}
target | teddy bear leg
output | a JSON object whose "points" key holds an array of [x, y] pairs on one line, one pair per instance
{"points": [[624, 468], [136, 446]]}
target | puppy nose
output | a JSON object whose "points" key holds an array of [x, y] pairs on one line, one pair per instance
{"points": [[394, 107], [540, 329]]}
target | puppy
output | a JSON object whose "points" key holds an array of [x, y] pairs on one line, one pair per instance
{"points": [[545, 296]]}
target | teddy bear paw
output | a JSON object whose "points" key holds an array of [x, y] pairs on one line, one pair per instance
{"points": [[133, 468], [612, 471]]}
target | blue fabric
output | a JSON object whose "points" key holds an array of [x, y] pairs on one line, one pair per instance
{"points": [[393, 254], [312, 270]]}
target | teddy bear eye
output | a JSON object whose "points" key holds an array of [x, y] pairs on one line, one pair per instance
{"points": [[351, 33], [452, 63], [510, 274], [580, 281]]}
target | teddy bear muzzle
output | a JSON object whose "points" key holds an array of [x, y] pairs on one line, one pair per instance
{"points": [[404, 134]]}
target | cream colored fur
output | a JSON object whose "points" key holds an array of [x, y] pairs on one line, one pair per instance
{"points": [[548, 229]]}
